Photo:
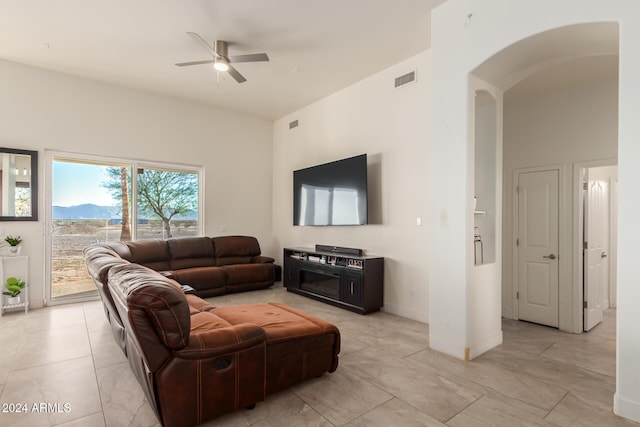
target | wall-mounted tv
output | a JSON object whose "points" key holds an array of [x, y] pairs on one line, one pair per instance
{"points": [[333, 193]]}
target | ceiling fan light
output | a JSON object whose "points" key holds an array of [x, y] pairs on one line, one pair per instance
{"points": [[221, 64]]}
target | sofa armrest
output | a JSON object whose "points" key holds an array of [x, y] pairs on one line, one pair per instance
{"points": [[261, 259], [221, 341]]}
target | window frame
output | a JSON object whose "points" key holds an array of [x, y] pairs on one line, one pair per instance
{"points": [[53, 155]]}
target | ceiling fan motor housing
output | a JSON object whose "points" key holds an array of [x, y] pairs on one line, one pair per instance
{"points": [[221, 48]]}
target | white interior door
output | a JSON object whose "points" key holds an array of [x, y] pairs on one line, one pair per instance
{"points": [[538, 222], [596, 235]]}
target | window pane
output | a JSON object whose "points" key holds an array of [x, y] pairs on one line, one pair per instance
{"points": [[92, 201], [167, 203], [84, 211]]}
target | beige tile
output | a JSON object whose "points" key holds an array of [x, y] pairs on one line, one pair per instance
{"points": [[60, 316], [516, 383], [574, 411], [597, 388], [93, 420], [395, 413], [436, 393], [341, 396], [281, 409], [388, 333], [94, 315], [492, 412], [123, 400], [387, 376], [15, 320], [53, 394], [527, 340], [597, 356], [39, 347], [104, 349]]}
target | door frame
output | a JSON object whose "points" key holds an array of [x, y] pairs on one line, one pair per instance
{"points": [[579, 168], [562, 246]]}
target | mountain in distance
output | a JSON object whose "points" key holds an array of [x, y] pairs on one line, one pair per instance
{"points": [[85, 211], [91, 211]]}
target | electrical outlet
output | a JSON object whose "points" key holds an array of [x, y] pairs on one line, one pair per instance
{"points": [[223, 228]]}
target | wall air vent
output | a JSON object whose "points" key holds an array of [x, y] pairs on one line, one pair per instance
{"points": [[293, 124], [405, 79]]}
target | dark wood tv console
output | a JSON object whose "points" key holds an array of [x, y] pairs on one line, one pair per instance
{"points": [[348, 281]]}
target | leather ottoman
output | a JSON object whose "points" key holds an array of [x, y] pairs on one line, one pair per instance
{"points": [[298, 345]]}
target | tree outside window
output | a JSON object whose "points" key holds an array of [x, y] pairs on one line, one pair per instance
{"points": [[162, 195]]}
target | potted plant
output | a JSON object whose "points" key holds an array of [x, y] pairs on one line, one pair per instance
{"points": [[14, 287], [14, 243]]}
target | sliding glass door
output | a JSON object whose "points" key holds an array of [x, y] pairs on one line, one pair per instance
{"points": [[98, 200]]}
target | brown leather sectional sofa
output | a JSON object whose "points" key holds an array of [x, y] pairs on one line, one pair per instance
{"points": [[195, 361], [211, 265]]}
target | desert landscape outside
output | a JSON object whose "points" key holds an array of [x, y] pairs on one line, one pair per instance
{"points": [[69, 274], [91, 201]]}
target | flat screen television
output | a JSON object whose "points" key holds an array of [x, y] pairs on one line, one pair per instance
{"points": [[333, 193]]}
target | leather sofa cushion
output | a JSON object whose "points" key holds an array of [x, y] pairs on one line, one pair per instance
{"points": [[150, 253], [280, 322], [152, 300], [100, 259], [198, 304], [235, 249], [201, 278], [248, 273], [205, 321], [188, 252], [120, 248]]}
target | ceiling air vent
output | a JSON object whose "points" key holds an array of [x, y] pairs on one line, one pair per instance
{"points": [[293, 124], [405, 79]]}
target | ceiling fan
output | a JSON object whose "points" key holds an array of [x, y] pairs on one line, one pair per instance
{"points": [[221, 60]]}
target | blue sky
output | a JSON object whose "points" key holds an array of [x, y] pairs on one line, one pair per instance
{"points": [[77, 183]]}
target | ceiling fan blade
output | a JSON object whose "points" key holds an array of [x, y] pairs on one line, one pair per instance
{"points": [[254, 57], [206, 61], [236, 75], [203, 43]]}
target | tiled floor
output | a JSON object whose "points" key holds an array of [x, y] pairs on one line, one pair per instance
{"points": [[65, 358]]}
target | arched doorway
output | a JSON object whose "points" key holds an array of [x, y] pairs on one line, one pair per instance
{"points": [[550, 132]]}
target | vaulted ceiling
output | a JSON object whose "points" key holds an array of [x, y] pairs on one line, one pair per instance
{"points": [[315, 47]]}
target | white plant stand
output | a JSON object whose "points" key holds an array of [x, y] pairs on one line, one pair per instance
{"points": [[14, 266]]}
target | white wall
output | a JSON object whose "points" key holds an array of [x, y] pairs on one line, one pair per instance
{"points": [[578, 123], [484, 281], [44, 110], [560, 127], [392, 127], [459, 45]]}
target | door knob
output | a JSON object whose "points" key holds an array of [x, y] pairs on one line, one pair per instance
{"points": [[603, 255], [552, 256]]}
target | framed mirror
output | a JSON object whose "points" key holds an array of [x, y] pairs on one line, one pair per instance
{"points": [[18, 185]]}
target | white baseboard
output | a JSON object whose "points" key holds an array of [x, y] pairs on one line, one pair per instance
{"points": [[626, 408], [465, 353], [419, 316], [447, 347], [485, 345]]}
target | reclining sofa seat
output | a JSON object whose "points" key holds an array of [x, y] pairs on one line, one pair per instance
{"points": [[223, 265], [191, 364], [211, 265], [208, 264], [99, 259], [194, 361]]}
